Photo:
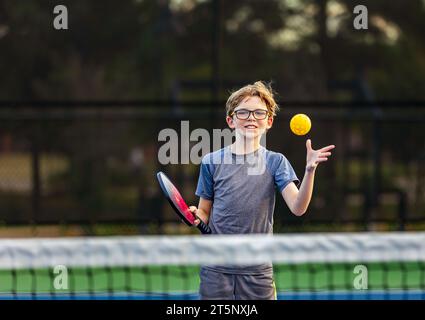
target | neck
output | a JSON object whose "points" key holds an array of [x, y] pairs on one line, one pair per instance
{"points": [[245, 146]]}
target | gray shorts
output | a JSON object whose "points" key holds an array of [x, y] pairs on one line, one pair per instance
{"points": [[225, 286]]}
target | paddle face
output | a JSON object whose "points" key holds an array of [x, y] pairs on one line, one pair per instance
{"points": [[175, 199]]}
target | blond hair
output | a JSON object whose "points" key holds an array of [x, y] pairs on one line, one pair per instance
{"points": [[258, 89]]}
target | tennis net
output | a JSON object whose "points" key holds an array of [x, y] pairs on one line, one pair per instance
{"points": [[306, 266]]}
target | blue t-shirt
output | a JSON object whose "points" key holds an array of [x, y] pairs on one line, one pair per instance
{"points": [[243, 191]]}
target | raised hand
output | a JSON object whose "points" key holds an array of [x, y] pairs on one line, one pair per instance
{"points": [[314, 157]]}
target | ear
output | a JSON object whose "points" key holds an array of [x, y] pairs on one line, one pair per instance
{"points": [[230, 122], [270, 122]]}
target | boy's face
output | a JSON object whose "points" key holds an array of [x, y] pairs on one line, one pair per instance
{"points": [[255, 124]]}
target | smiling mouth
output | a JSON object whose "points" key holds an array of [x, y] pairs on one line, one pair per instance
{"points": [[250, 127]]}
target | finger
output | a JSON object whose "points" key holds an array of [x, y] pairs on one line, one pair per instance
{"points": [[196, 222], [325, 154], [321, 160], [322, 157], [193, 209], [327, 148], [308, 145]]}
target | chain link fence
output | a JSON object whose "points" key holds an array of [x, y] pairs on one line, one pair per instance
{"points": [[89, 169]]}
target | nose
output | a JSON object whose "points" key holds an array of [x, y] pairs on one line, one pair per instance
{"points": [[251, 116]]}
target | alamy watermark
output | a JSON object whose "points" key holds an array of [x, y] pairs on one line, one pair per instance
{"points": [[361, 279], [60, 22], [361, 20], [60, 280], [192, 146]]}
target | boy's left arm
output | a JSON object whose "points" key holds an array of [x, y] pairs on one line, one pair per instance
{"points": [[298, 200]]}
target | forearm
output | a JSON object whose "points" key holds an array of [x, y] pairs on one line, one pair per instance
{"points": [[203, 211], [304, 194]]}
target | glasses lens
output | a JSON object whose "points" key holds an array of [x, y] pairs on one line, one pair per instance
{"points": [[242, 114], [260, 114]]}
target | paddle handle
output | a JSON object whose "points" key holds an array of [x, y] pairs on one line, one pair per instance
{"points": [[203, 227]]}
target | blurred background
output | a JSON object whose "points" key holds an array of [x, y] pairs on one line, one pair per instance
{"points": [[81, 109]]}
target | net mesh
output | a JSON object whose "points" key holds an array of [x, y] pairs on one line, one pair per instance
{"points": [[313, 266]]}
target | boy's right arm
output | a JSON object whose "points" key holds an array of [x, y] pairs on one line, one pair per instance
{"points": [[203, 210]]}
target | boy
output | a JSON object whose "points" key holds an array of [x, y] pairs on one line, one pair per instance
{"points": [[235, 199]]}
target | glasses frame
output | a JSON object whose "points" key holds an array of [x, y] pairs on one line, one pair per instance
{"points": [[249, 114]]}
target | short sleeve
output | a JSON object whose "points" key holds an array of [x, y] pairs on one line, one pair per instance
{"points": [[284, 174], [205, 187]]}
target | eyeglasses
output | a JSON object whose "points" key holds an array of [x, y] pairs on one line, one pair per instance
{"points": [[244, 114]]}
